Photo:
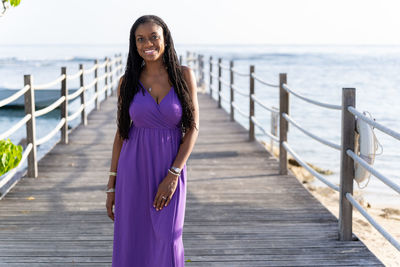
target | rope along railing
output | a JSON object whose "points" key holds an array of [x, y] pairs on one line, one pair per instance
{"points": [[348, 156], [350, 152], [234, 89], [29, 120]]}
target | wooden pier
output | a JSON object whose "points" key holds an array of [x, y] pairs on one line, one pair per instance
{"points": [[239, 211]]}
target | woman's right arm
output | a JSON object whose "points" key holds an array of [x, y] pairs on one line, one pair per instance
{"points": [[116, 149]]}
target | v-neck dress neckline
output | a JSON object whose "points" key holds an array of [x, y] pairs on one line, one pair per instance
{"points": [[153, 97]]}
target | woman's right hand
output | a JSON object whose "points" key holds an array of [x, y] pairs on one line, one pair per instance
{"points": [[109, 204]]}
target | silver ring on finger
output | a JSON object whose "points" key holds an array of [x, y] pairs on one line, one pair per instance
{"points": [[164, 197]]}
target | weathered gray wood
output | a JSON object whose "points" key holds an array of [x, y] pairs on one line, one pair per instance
{"points": [[83, 98], [97, 102], [219, 81], [346, 165], [236, 214], [64, 106], [283, 124], [29, 100], [274, 126], [111, 81], [251, 105], [211, 78], [106, 78], [232, 96]]}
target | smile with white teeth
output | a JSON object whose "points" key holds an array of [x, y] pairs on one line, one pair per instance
{"points": [[150, 52]]}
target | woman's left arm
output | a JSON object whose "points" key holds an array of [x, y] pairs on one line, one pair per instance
{"points": [[190, 137], [168, 185]]}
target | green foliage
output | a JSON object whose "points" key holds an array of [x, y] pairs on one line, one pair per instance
{"points": [[12, 2], [10, 155]]}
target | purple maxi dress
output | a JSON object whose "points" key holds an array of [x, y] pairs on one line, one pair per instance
{"points": [[144, 237]]}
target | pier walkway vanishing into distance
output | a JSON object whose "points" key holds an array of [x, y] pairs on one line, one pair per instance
{"points": [[239, 211]]}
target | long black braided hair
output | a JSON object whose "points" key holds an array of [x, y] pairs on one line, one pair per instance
{"points": [[134, 66]]}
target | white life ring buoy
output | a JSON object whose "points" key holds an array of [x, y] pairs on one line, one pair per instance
{"points": [[365, 147]]}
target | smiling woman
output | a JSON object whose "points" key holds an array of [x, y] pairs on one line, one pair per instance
{"points": [[158, 122]]}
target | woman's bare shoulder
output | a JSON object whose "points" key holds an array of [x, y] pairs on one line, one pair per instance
{"points": [[119, 85], [187, 73]]}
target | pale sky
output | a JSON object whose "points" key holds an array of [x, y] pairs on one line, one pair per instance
{"points": [[205, 21]]}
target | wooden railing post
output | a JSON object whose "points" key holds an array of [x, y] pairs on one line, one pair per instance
{"points": [[219, 81], [346, 165], [231, 81], [283, 124], [251, 105], [64, 106], [188, 58], [198, 70], [211, 78], [201, 74], [29, 99], [83, 102], [111, 79], [274, 128], [96, 75], [106, 79]]}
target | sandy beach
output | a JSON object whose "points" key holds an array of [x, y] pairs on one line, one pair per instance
{"points": [[388, 217]]}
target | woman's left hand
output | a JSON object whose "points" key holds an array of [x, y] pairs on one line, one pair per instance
{"points": [[167, 189]]}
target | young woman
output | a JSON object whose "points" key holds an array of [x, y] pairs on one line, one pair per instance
{"points": [[158, 125]]}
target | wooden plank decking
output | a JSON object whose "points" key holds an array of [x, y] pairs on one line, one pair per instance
{"points": [[239, 211]]}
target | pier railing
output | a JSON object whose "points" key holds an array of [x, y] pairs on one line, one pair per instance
{"points": [[112, 68], [347, 146]]}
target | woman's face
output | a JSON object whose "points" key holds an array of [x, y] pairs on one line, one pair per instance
{"points": [[150, 41]]}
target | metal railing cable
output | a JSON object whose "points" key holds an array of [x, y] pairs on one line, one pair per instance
{"points": [[48, 85], [224, 82], [311, 170], [76, 113], [239, 110], [373, 171], [254, 120], [240, 73], [50, 107], [14, 96], [239, 91], [359, 116], [51, 133], [74, 76], [319, 139], [374, 124], [259, 102], [214, 75], [15, 127], [330, 106], [371, 220], [88, 71], [263, 82], [13, 171], [76, 93], [223, 97]]}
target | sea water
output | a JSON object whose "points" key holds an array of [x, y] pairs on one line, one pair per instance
{"points": [[317, 72]]}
